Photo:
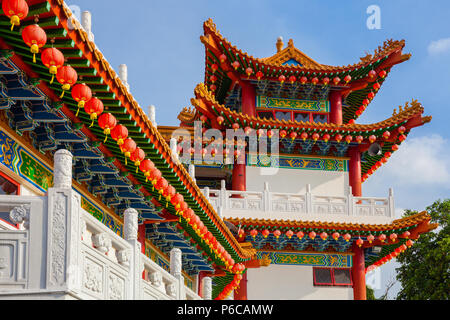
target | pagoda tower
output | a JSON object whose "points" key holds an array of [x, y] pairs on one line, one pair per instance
{"points": [[296, 197]]}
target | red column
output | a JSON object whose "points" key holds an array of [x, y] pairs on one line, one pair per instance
{"points": [[335, 107], [238, 177], [241, 292], [354, 173], [200, 277], [248, 99], [358, 274], [141, 240]]}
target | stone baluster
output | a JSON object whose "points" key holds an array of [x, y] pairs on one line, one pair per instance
{"points": [[130, 233], [223, 197], [391, 206], [206, 193], [207, 288], [63, 228], [175, 270], [309, 200], [350, 202], [266, 197]]}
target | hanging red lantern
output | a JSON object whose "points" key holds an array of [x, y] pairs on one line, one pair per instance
{"points": [[351, 121], [382, 73], [347, 237], [293, 135], [254, 233], [336, 80], [371, 95], [289, 234], [348, 138], [137, 156], [259, 132], [372, 138], [107, 122], [326, 137], [214, 67], [213, 78], [386, 135], [35, 37], [359, 242], [81, 93], [15, 10], [401, 129], [220, 120], [300, 235], [94, 108], [401, 138], [393, 237], [323, 236], [168, 193], [176, 201], [326, 80], [67, 76], [338, 137], [265, 233], [53, 59], [235, 126], [335, 235], [409, 243], [127, 148], [119, 133], [277, 233], [161, 185], [283, 133], [347, 78], [235, 65], [365, 102], [213, 87], [315, 80], [394, 147], [315, 136], [222, 58], [292, 79], [406, 234], [281, 78], [312, 235], [372, 73], [382, 237], [259, 75], [376, 86], [359, 139], [304, 136], [303, 80], [249, 71]]}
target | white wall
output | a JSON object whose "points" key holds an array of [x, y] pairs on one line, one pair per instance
{"points": [[285, 282], [324, 183]]}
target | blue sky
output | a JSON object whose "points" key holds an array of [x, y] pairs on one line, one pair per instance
{"points": [[159, 41]]}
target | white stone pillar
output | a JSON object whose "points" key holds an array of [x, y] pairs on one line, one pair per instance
{"points": [[207, 288], [130, 232], [175, 270], [86, 23], [152, 114], [309, 199], [173, 149], [123, 75], [63, 228]]}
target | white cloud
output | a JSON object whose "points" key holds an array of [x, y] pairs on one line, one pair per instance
{"points": [[421, 161], [439, 46]]}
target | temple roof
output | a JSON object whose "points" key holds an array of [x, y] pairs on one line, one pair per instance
{"points": [[291, 61], [82, 54]]}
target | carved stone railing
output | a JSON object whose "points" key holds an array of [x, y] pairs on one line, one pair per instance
{"points": [[61, 251], [274, 205]]}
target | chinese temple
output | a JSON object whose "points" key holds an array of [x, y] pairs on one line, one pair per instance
{"points": [[98, 202]]}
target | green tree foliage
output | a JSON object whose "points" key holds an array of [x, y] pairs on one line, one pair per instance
{"points": [[424, 271], [369, 293]]}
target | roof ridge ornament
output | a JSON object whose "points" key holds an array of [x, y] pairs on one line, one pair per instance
{"points": [[279, 44]]}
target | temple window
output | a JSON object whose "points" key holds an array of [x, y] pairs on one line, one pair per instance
{"points": [[301, 117], [332, 277], [268, 115], [282, 115], [320, 118]]}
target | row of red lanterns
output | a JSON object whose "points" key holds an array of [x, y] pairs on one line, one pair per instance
{"points": [[323, 235], [233, 285], [390, 256], [35, 37]]}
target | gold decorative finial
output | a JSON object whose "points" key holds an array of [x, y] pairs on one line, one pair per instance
{"points": [[291, 43], [280, 44]]}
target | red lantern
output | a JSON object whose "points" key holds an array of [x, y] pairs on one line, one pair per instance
{"points": [[94, 108], [249, 71], [265, 233], [359, 242], [406, 234], [293, 135], [371, 95], [53, 59], [220, 120], [372, 138], [176, 201], [372, 73], [351, 121], [235, 65], [394, 147], [315, 136], [15, 10], [213, 87], [338, 137], [300, 235], [326, 137], [304, 136], [365, 102], [393, 237], [119, 133], [289, 234], [128, 147], [292, 79], [214, 67], [282, 78], [259, 75], [35, 37], [382, 237], [359, 139], [107, 122], [259, 132], [137, 156], [67, 76], [386, 135], [347, 237], [312, 235], [315, 80], [283, 133], [336, 80], [348, 138], [277, 233], [213, 78], [376, 86], [324, 236], [335, 235], [222, 58], [347, 78], [303, 80], [254, 233], [409, 243], [326, 80], [382, 73], [401, 138], [81, 93], [401, 129], [235, 126], [161, 185]]}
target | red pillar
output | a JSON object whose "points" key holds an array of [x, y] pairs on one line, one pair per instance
{"points": [[200, 277], [141, 237], [354, 173], [241, 292], [248, 99], [358, 274], [335, 107], [238, 178]]}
